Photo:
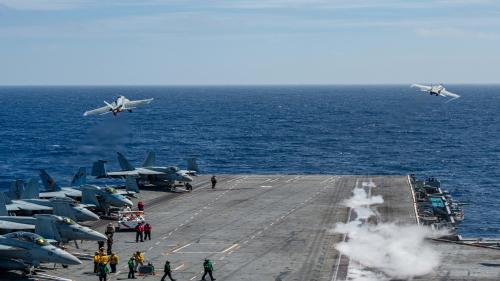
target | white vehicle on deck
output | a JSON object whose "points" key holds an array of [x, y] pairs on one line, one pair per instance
{"points": [[128, 220]]}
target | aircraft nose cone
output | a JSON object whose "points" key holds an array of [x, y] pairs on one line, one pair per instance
{"points": [[187, 178], [93, 235], [88, 234], [87, 215], [127, 202], [67, 258]]}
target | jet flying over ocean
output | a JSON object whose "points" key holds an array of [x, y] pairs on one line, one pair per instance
{"points": [[120, 104], [437, 90]]}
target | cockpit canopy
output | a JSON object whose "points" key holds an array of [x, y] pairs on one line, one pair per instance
{"points": [[110, 190], [27, 237], [68, 221], [173, 169]]}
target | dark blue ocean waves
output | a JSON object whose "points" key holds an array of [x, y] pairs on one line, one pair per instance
{"points": [[387, 130]]}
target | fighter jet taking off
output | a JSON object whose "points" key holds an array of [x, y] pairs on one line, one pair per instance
{"points": [[437, 90], [119, 105]]}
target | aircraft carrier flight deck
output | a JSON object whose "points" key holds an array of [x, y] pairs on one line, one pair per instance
{"points": [[269, 227]]}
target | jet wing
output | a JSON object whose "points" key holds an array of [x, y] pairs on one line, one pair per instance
{"points": [[133, 103], [449, 94], [15, 226], [62, 193], [100, 110], [12, 208], [6, 248], [23, 205], [122, 174], [422, 87], [51, 194], [144, 171]]}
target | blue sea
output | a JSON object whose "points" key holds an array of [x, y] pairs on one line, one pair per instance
{"points": [[383, 130]]}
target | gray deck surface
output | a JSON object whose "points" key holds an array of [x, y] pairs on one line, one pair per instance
{"points": [[254, 227]]}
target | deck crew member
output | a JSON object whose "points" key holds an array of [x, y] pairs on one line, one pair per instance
{"points": [[140, 206], [168, 272], [103, 271], [113, 261], [139, 259], [139, 232], [147, 231], [208, 268], [110, 230], [110, 244], [96, 259], [131, 266], [188, 186], [214, 182]]}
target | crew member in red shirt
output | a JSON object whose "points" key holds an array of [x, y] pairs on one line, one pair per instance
{"points": [[139, 232], [147, 231]]}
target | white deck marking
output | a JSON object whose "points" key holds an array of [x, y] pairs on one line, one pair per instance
{"points": [[176, 250], [179, 267], [230, 248]]}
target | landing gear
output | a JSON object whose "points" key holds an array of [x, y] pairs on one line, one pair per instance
{"points": [[130, 110]]}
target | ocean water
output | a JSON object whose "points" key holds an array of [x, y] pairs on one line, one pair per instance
{"points": [[383, 130]]}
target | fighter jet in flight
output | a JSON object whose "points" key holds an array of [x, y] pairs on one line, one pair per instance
{"points": [[57, 228], [119, 105], [148, 172], [437, 90], [24, 250]]}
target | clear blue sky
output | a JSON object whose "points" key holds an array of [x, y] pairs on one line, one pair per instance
{"points": [[95, 42]]}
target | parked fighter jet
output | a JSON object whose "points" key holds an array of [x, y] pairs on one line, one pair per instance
{"points": [[24, 250], [192, 166], [156, 175], [57, 206], [80, 179], [100, 197], [437, 90], [20, 206], [57, 228], [119, 105], [54, 190], [103, 197]]}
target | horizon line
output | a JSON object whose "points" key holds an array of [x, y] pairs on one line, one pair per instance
{"points": [[242, 85]]}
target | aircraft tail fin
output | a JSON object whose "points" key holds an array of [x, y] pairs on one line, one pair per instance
{"points": [[150, 160], [192, 165], [89, 196], [48, 182], [98, 169], [63, 207], [124, 164], [131, 185], [3, 205], [80, 177], [16, 189], [32, 190], [45, 227]]}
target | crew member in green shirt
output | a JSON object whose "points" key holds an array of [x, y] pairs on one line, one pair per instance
{"points": [[168, 272], [208, 268]]}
